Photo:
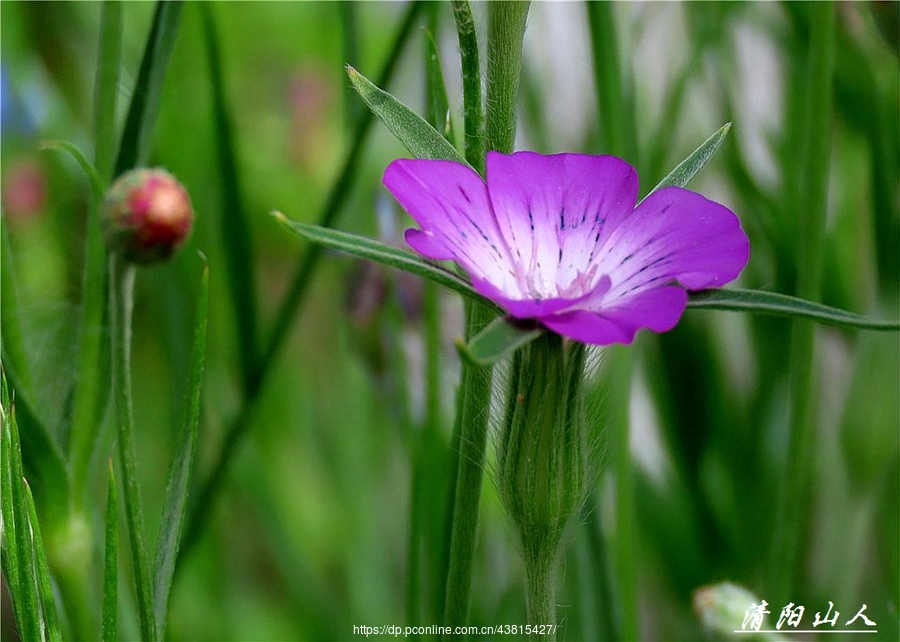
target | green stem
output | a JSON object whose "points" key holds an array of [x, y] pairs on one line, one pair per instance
{"points": [[473, 111], [121, 299], [473, 418], [506, 31], [789, 531], [540, 597]]}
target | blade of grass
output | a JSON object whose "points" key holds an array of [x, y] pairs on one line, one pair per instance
{"points": [[98, 185], [236, 237], [42, 570], [350, 51], [121, 299], [91, 391], [111, 561], [25, 592], [134, 149], [816, 145], [292, 301], [10, 551], [438, 106], [180, 474], [618, 133], [12, 339], [772, 303], [473, 110], [372, 250], [420, 138]]}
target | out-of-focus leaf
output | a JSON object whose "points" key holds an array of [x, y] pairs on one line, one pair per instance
{"points": [[365, 248], [499, 339], [783, 305], [134, 149], [182, 467], [438, 105], [98, 185], [421, 139], [235, 231]]}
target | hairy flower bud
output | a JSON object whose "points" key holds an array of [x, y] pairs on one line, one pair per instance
{"points": [[146, 216], [543, 459]]}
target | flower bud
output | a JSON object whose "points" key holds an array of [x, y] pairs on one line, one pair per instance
{"points": [[146, 216], [543, 461]]}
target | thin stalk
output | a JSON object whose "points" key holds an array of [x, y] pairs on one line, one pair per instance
{"points": [[789, 531], [473, 111], [476, 397], [121, 299], [540, 597], [506, 29]]}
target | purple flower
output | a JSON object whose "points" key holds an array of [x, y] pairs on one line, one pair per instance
{"points": [[558, 239]]}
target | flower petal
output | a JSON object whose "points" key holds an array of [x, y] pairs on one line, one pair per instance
{"points": [[555, 211], [675, 235], [449, 202], [535, 308], [657, 309]]}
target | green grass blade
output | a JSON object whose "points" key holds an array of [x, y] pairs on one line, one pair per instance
{"points": [[499, 339], [182, 468], [473, 108], [10, 553], [25, 592], [134, 149], [98, 185], [106, 87], [236, 238], [350, 52], [12, 338], [421, 139], [773, 303], [111, 561], [438, 105], [296, 293], [688, 168], [43, 460], [371, 250], [42, 569]]}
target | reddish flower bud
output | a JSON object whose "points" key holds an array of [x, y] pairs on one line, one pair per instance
{"points": [[147, 215]]}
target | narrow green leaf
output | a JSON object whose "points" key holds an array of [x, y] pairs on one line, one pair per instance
{"points": [[350, 54], [421, 139], [111, 561], [499, 339], [106, 87], [291, 303], [25, 592], [473, 108], [43, 459], [98, 185], [365, 248], [42, 570], [775, 304], [235, 230], [12, 338], [436, 90], [182, 467], [10, 552], [134, 149], [688, 168]]}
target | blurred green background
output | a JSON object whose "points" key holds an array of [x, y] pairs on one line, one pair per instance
{"points": [[309, 535]]}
